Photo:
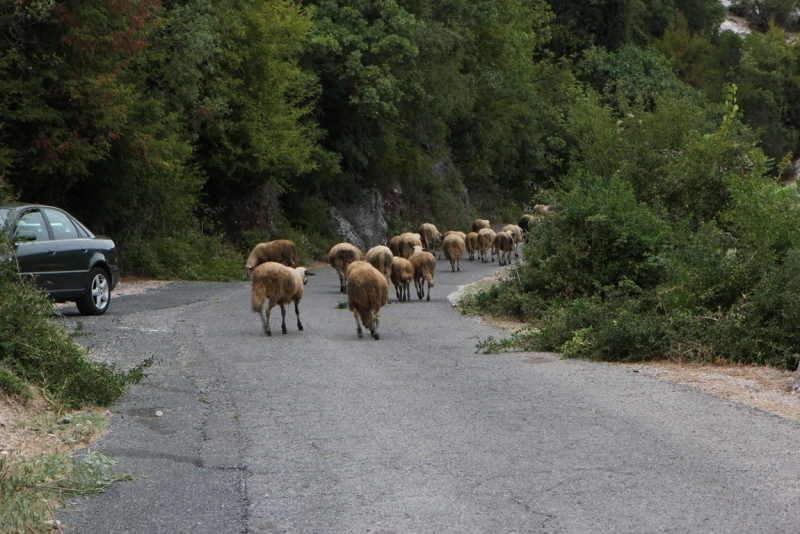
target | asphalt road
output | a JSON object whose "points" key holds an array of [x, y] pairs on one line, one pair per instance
{"points": [[318, 431]]}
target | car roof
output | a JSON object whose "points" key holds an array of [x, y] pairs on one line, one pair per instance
{"points": [[15, 205]]}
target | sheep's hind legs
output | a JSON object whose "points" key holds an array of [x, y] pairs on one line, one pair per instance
{"points": [[283, 318], [264, 314], [297, 313], [358, 324]]}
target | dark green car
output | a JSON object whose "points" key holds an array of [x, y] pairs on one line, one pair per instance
{"points": [[61, 256]]}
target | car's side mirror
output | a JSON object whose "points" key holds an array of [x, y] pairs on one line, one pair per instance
{"points": [[25, 236]]}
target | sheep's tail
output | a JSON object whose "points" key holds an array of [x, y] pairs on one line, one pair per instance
{"points": [[258, 297], [429, 278]]}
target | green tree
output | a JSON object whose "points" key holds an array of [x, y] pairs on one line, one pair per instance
{"points": [[769, 93]]}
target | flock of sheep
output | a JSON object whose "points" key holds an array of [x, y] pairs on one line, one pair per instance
{"points": [[277, 280]]}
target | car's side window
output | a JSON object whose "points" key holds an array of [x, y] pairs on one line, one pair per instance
{"points": [[61, 225], [31, 227]]}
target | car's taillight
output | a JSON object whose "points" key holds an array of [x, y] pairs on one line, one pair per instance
{"points": [[116, 254]]}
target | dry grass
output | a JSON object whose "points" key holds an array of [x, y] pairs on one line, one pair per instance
{"points": [[762, 387], [33, 429]]}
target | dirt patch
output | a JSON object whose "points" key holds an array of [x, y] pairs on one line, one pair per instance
{"points": [[34, 429], [762, 387]]}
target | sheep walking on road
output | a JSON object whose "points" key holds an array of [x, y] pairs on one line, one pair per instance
{"points": [[503, 246], [424, 265], [479, 224], [516, 231], [381, 258], [402, 275], [394, 245], [453, 247], [340, 257], [472, 244], [407, 243], [485, 241], [280, 251], [462, 235], [274, 283], [429, 236], [367, 291]]}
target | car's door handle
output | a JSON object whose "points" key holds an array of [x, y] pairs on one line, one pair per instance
{"points": [[85, 249], [52, 251]]}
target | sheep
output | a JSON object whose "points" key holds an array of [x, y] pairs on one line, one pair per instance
{"points": [[281, 251], [402, 275], [485, 240], [381, 257], [453, 247], [503, 245], [340, 257], [407, 243], [478, 224], [462, 235], [429, 236], [367, 291], [472, 244], [517, 232], [394, 245], [526, 222], [274, 283], [424, 265], [541, 209]]}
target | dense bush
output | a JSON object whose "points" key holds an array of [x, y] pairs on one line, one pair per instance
{"points": [[616, 276]]}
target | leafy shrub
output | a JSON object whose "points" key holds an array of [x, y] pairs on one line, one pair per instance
{"points": [[600, 237], [190, 255], [610, 276]]}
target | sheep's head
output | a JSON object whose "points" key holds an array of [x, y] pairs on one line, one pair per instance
{"points": [[304, 274], [249, 269]]}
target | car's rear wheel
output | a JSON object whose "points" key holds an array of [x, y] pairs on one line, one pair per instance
{"points": [[98, 294]]}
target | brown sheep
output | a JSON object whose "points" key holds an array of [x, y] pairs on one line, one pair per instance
{"points": [[485, 240], [472, 244], [340, 257], [367, 291], [542, 209], [407, 243], [381, 257], [453, 247], [280, 251], [274, 283], [462, 235], [429, 236], [424, 265], [503, 245], [450, 232], [394, 245], [402, 275], [478, 224], [517, 231]]}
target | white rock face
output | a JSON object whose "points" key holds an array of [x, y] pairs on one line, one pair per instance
{"points": [[734, 25]]}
